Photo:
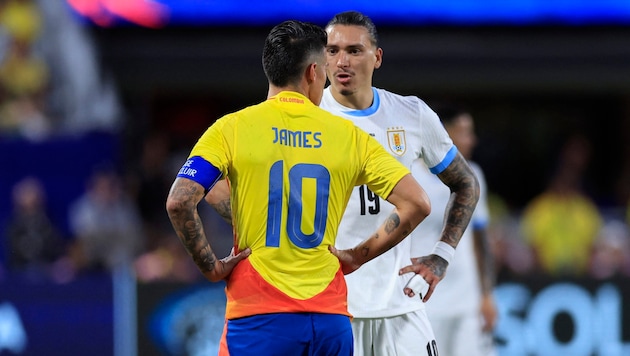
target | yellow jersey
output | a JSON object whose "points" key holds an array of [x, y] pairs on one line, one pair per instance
{"points": [[291, 167]]}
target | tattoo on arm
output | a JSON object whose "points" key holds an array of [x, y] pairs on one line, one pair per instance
{"points": [[187, 223], [224, 209], [485, 261], [392, 222], [459, 177], [437, 264]]}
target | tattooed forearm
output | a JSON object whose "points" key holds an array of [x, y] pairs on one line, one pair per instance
{"points": [[205, 259], [182, 211], [485, 261], [223, 208], [464, 196], [195, 242]]}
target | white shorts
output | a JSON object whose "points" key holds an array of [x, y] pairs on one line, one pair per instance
{"points": [[402, 335], [462, 335]]}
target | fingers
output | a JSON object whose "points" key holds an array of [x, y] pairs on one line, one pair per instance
{"points": [[422, 267], [416, 286], [430, 291], [243, 254]]}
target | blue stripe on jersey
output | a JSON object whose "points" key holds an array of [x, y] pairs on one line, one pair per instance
{"points": [[369, 111], [450, 156], [200, 171], [479, 224]]}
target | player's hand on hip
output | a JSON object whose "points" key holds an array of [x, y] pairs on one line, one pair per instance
{"points": [[346, 258], [223, 267], [431, 268]]}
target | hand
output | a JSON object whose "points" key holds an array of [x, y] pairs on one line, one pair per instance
{"points": [[346, 258], [223, 267], [432, 268], [488, 312]]}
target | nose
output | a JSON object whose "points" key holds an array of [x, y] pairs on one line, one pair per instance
{"points": [[342, 60]]}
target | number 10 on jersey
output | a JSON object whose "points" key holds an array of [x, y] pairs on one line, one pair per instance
{"points": [[295, 207]]}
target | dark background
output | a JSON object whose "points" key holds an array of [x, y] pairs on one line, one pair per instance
{"points": [[527, 87]]}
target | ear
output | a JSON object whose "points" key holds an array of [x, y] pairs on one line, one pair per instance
{"points": [[311, 72], [379, 58]]}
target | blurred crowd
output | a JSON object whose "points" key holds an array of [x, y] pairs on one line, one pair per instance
{"points": [[120, 218], [51, 81], [49, 70]]}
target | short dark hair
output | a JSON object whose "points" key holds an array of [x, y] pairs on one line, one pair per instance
{"points": [[288, 49], [355, 18]]}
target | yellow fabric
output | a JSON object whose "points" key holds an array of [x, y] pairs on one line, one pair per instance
{"points": [[295, 165], [562, 229]]}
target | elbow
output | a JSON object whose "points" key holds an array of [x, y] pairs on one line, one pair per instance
{"points": [[476, 190], [175, 206], [423, 207]]}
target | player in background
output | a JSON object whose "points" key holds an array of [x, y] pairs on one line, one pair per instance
{"points": [[462, 326], [291, 167], [385, 321]]}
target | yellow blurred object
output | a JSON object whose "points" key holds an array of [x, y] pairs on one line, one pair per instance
{"points": [[562, 230], [21, 75], [22, 20]]}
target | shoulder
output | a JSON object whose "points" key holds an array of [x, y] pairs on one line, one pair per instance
{"points": [[412, 102], [386, 94]]}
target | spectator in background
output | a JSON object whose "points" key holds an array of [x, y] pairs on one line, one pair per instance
{"points": [[106, 225], [48, 70], [24, 74], [34, 242], [76, 75], [562, 223]]}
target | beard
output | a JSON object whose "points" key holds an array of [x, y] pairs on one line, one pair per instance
{"points": [[346, 92]]}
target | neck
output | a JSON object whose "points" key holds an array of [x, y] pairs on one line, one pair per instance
{"points": [[275, 90], [358, 100]]}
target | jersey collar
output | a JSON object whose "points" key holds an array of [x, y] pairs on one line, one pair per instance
{"points": [[369, 111]]}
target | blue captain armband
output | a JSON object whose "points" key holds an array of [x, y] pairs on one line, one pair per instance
{"points": [[201, 171]]}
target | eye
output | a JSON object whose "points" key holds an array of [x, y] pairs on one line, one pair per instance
{"points": [[331, 51]]}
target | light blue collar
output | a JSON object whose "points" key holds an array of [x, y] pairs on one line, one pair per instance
{"points": [[369, 111]]}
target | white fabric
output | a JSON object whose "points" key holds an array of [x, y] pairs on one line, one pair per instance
{"points": [[481, 215], [444, 250], [407, 334], [410, 130], [460, 335]]}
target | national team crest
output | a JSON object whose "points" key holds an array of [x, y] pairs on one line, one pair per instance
{"points": [[397, 141]]}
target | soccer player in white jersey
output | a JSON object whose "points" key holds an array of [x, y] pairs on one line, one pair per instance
{"points": [[386, 321], [462, 326]]}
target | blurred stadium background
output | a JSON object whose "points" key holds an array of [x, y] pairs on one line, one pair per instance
{"points": [[130, 85]]}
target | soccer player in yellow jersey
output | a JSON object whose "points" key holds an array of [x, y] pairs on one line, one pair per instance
{"points": [[291, 167]]}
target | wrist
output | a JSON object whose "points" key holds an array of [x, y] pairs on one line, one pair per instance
{"points": [[444, 250]]}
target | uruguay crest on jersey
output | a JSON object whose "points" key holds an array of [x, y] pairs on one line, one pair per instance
{"points": [[396, 141]]}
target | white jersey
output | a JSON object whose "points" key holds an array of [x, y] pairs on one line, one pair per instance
{"points": [[459, 292], [410, 130], [481, 215]]}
